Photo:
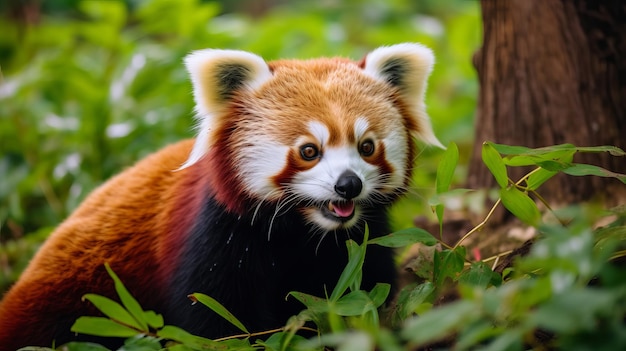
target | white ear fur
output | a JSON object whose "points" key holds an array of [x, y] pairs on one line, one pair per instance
{"points": [[216, 75], [406, 66]]}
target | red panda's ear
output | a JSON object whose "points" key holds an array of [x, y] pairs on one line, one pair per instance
{"points": [[216, 76], [407, 67]]}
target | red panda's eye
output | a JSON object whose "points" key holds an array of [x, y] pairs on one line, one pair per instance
{"points": [[309, 152], [367, 148]]}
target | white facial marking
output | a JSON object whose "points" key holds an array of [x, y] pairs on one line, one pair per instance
{"points": [[319, 131], [261, 161], [360, 127], [395, 154]]}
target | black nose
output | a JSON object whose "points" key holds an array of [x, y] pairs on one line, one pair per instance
{"points": [[348, 185]]}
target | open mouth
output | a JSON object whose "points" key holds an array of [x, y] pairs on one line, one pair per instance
{"points": [[339, 210]]}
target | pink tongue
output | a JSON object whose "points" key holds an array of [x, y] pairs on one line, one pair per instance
{"points": [[343, 209]]}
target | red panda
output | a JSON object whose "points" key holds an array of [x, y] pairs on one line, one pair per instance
{"points": [[291, 159]]}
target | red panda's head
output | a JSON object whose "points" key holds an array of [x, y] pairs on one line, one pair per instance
{"points": [[326, 136]]}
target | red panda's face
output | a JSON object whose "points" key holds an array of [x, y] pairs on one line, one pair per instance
{"points": [[327, 137]]}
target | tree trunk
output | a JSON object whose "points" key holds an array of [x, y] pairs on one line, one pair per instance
{"points": [[553, 72]]}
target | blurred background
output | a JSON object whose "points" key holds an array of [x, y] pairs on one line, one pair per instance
{"points": [[89, 87]]}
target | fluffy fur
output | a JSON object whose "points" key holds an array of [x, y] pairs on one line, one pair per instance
{"points": [[291, 159]]}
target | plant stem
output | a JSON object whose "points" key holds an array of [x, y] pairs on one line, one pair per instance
{"points": [[479, 226], [493, 208], [272, 331]]}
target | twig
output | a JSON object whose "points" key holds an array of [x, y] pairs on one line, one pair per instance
{"points": [[272, 331]]}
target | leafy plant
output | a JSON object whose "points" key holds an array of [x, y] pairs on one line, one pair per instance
{"points": [[567, 293], [94, 86]]}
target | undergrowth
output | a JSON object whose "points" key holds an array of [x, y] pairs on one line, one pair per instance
{"points": [[567, 293]]}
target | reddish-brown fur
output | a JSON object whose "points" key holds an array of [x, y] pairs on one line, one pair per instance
{"points": [[152, 207], [140, 220]]}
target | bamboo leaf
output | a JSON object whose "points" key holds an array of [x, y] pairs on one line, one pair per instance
{"points": [[219, 309], [448, 264], [411, 297], [129, 302], [354, 303], [538, 178], [553, 165], [352, 272], [313, 303], [405, 237], [445, 173], [493, 161], [510, 150], [580, 169], [439, 322], [613, 150], [100, 326], [479, 274], [197, 343], [112, 309], [379, 294], [154, 319], [560, 157], [520, 205], [445, 170]]}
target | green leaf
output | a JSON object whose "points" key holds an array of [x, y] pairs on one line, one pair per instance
{"points": [[553, 165], [379, 294], [196, 342], [445, 173], [280, 341], [493, 161], [405, 237], [70, 346], [356, 340], [448, 264], [522, 150], [355, 250], [313, 303], [128, 300], [510, 150], [100, 326], [445, 170], [112, 309], [520, 205], [580, 169], [154, 319], [613, 150], [411, 297], [521, 160], [575, 310], [440, 322], [480, 275], [560, 158], [219, 309], [354, 303], [141, 343], [510, 340], [477, 333], [352, 271], [539, 177]]}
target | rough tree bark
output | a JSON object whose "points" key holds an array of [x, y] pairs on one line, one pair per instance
{"points": [[553, 72]]}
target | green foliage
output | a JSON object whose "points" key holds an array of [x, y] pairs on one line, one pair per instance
{"points": [[551, 291], [88, 93], [568, 293], [97, 85]]}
